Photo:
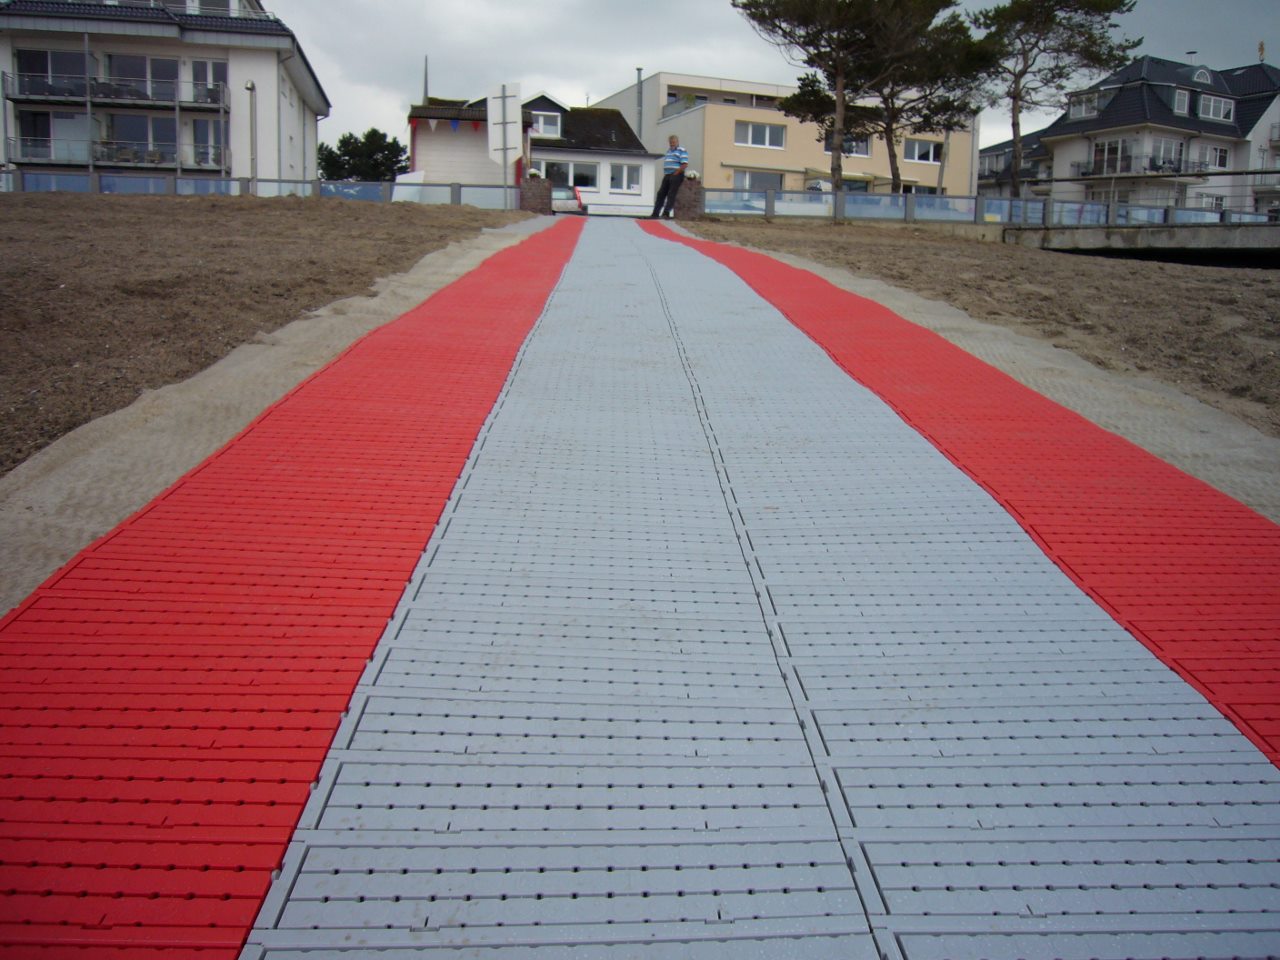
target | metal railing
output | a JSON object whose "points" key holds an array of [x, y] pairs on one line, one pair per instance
{"points": [[919, 208], [483, 196], [1139, 165], [115, 91], [117, 153], [223, 9]]}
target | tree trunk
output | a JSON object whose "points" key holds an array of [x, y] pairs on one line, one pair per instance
{"points": [[837, 145], [1015, 112]]}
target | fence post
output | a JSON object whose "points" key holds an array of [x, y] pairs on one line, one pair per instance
{"points": [[95, 182], [387, 187], [1170, 215], [909, 208], [315, 189], [770, 198], [455, 194], [18, 185], [244, 187], [1113, 213], [171, 186], [1046, 213], [1226, 216], [979, 209]]}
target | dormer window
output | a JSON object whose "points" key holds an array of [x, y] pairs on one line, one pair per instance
{"points": [[546, 125], [1217, 108], [1182, 102], [1202, 76], [1084, 106]]}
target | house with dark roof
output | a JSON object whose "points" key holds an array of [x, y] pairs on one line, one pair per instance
{"points": [[589, 148], [1163, 133], [995, 168], [201, 88]]}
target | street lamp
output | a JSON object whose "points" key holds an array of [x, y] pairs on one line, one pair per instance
{"points": [[253, 129]]}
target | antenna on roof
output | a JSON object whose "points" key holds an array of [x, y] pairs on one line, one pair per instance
{"points": [[426, 69], [1262, 51], [1192, 53]]}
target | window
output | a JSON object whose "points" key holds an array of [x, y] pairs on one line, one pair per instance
{"points": [[1166, 154], [1085, 106], [566, 174], [1202, 76], [546, 125], [1182, 102], [1215, 158], [209, 80], [1211, 201], [922, 151], [853, 146], [624, 177], [729, 100], [51, 72], [760, 134], [1112, 156], [142, 78], [207, 136], [1216, 108], [756, 180]]}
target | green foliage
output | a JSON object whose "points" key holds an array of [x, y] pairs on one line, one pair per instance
{"points": [[918, 71], [1046, 46], [375, 156]]}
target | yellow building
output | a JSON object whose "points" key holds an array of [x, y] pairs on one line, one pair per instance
{"points": [[737, 138]]}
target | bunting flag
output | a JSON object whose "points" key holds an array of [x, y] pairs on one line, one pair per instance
{"points": [[432, 124], [453, 124], [476, 124]]}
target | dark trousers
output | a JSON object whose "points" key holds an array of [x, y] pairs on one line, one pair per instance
{"points": [[667, 192]]}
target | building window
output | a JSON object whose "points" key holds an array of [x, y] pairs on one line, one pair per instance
{"points": [[756, 180], [624, 177], [1182, 102], [546, 125], [209, 80], [1202, 76], [853, 146], [51, 72], [1217, 108], [1215, 158], [922, 151], [1211, 201], [563, 173], [1112, 156], [747, 134], [1166, 154], [729, 100], [1085, 106]]}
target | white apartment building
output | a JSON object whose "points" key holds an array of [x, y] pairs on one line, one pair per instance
{"points": [[217, 88]]}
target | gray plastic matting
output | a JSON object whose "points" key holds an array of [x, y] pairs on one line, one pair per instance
{"points": [[711, 656]]}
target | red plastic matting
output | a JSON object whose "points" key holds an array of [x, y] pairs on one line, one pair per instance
{"points": [[169, 695], [1190, 572]]}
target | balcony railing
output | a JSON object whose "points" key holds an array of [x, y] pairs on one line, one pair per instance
{"points": [[117, 153], [131, 91], [1139, 166], [225, 8]]}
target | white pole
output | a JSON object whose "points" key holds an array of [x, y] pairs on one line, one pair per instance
{"points": [[506, 196]]}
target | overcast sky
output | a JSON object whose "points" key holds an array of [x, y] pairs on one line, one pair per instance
{"points": [[369, 53]]}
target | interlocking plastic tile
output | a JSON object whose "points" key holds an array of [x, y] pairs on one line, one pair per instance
{"points": [[171, 693]]}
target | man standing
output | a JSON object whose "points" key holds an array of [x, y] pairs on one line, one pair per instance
{"points": [[673, 167]]}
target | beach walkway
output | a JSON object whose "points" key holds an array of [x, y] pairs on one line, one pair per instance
{"points": [[743, 619]]}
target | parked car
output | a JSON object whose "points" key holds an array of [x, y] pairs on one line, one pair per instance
{"points": [[567, 200]]}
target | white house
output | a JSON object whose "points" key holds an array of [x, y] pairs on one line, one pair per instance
{"points": [[585, 147], [196, 87], [1163, 133]]}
